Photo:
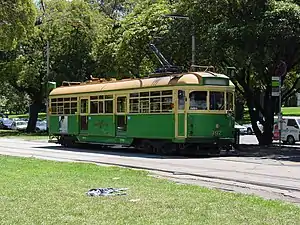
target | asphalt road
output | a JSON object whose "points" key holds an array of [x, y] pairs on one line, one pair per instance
{"points": [[268, 176]]}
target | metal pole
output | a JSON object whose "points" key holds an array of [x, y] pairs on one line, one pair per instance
{"points": [[193, 45], [46, 81], [279, 114]]}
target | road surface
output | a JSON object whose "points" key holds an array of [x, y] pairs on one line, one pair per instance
{"points": [[271, 176]]}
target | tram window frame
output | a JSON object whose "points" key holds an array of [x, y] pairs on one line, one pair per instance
{"points": [[104, 104], [197, 103], [151, 101], [181, 98], [122, 104], [63, 106], [221, 105]]}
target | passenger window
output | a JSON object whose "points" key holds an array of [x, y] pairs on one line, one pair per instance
{"points": [[121, 104], [198, 100], [181, 99], [94, 107], [216, 100], [108, 106]]}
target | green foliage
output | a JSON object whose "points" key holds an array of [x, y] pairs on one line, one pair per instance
{"points": [[17, 18]]}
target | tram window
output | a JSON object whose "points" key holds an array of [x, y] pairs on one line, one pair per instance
{"points": [[155, 93], [121, 104], [108, 106], [144, 94], [101, 107], [167, 104], [101, 96], [54, 100], [134, 105], [84, 106], [67, 108], [181, 99], [94, 97], [94, 106], [134, 95], [198, 100], [216, 100], [108, 97], [66, 99], [73, 107], [155, 104], [229, 99], [74, 99], [53, 108], [144, 105], [167, 92]]}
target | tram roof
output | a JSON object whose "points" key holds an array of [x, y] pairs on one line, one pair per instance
{"points": [[171, 80]]}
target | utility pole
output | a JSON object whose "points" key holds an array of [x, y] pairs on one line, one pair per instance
{"points": [[46, 81]]}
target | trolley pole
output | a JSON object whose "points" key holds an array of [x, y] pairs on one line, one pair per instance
{"points": [[193, 34]]}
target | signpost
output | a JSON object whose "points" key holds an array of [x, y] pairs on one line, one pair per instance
{"points": [[276, 91]]}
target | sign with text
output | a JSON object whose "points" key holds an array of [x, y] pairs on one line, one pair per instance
{"points": [[275, 86]]}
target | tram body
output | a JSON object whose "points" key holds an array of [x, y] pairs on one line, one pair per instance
{"points": [[177, 111]]}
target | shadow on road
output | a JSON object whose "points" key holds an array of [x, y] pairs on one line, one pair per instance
{"points": [[111, 150], [285, 154], [273, 152]]}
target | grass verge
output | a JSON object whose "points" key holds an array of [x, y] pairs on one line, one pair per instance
{"points": [[42, 116], [45, 192], [23, 135], [286, 111]]}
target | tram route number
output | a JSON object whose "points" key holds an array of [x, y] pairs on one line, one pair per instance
{"points": [[216, 133]]}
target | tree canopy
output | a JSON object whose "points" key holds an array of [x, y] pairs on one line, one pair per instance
{"points": [[111, 38]]}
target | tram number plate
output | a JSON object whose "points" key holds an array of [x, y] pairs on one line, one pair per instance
{"points": [[216, 133]]}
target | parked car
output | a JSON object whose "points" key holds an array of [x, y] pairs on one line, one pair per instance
{"points": [[41, 125], [250, 129], [6, 123], [242, 129], [19, 125]]}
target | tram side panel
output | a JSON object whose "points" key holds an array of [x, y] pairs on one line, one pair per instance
{"points": [[210, 127], [151, 126]]}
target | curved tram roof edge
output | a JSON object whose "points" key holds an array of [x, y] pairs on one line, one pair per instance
{"points": [[172, 80]]}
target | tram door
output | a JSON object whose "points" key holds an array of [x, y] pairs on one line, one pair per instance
{"points": [[121, 116], [181, 114], [83, 117]]}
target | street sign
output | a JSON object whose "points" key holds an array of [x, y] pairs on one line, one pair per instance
{"points": [[275, 86]]}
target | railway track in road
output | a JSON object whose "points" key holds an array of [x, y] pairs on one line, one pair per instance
{"points": [[268, 178]]}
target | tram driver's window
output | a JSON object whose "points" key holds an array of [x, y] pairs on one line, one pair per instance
{"points": [[181, 99], [216, 100], [198, 100]]}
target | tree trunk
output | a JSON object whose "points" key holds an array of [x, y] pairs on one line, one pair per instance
{"points": [[264, 138], [34, 110]]}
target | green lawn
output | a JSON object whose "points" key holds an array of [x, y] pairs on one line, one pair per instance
{"points": [[44, 192], [286, 111], [42, 116], [22, 135]]}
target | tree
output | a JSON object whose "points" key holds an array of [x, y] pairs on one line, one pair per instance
{"points": [[73, 29], [17, 18], [254, 36]]}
